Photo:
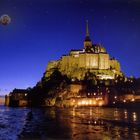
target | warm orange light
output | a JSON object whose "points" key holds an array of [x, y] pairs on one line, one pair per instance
{"points": [[83, 102], [94, 102], [79, 103], [132, 99], [100, 103], [86, 102], [90, 102]]}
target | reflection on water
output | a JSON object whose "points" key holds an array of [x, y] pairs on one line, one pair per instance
{"points": [[84, 123], [134, 116], [74, 123]]}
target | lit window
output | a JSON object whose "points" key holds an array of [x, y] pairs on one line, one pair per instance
{"points": [[124, 101], [100, 103], [132, 99], [83, 102], [90, 102], [79, 103], [86, 102], [115, 97], [94, 102]]}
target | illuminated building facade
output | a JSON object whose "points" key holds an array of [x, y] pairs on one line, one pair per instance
{"points": [[92, 58]]}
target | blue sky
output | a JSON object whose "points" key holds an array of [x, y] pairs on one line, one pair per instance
{"points": [[42, 30]]}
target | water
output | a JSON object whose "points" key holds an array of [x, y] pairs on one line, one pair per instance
{"points": [[12, 121], [69, 124]]}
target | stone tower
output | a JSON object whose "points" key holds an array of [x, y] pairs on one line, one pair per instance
{"points": [[87, 41]]}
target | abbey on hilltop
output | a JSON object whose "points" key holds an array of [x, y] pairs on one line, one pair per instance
{"points": [[92, 58], [86, 77]]}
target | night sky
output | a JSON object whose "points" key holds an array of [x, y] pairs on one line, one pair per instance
{"points": [[43, 30]]}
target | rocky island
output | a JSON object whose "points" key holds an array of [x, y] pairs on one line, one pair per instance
{"points": [[84, 77]]}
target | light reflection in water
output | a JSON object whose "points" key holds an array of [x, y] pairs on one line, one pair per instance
{"points": [[125, 114], [116, 115], [88, 123], [90, 112], [134, 116], [73, 111]]}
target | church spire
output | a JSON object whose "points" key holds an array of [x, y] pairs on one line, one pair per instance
{"points": [[87, 31], [87, 42]]}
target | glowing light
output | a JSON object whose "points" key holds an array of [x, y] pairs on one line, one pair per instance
{"points": [[79, 103], [86, 103], [132, 99], [83, 102], [100, 103], [90, 102], [134, 116], [105, 77], [90, 112], [115, 97], [72, 79], [116, 115], [125, 114], [114, 102], [94, 102], [73, 101], [124, 101], [94, 93]]}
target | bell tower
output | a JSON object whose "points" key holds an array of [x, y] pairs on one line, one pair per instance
{"points": [[87, 42]]}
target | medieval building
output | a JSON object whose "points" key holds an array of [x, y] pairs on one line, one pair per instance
{"points": [[92, 58]]}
